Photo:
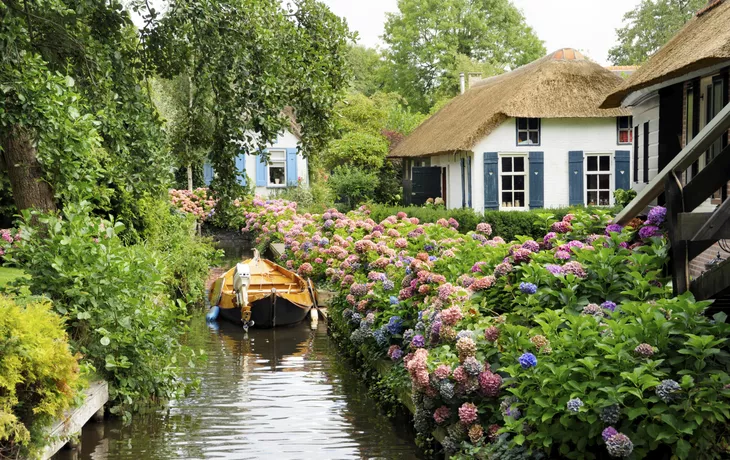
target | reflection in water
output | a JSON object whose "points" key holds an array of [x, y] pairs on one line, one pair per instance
{"points": [[279, 394]]}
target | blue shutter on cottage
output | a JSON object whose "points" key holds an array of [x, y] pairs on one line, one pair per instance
{"points": [[292, 179], [537, 179], [575, 177], [623, 165], [207, 173], [468, 179], [241, 168], [491, 176], [463, 183], [260, 171]]}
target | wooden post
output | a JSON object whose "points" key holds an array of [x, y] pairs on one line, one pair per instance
{"points": [[678, 258]]}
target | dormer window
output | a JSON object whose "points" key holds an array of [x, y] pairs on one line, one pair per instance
{"points": [[528, 131]]}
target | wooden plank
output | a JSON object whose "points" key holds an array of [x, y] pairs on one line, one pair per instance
{"points": [[679, 256], [74, 419], [712, 178], [695, 248], [691, 222], [696, 147], [717, 223], [277, 249], [712, 282]]}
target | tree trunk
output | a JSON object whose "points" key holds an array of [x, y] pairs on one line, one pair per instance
{"points": [[24, 171], [190, 177]]}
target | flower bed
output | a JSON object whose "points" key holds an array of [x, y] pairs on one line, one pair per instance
{"points": [[564, 347]]}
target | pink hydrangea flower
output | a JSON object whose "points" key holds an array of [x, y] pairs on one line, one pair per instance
{"points": [[468, 413]]}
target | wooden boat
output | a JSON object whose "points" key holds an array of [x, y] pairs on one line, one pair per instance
{"points": [[260, 293]]}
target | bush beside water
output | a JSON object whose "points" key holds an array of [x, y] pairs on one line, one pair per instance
{"points": [[567, 345]]}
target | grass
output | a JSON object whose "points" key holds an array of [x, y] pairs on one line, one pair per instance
{"points": [[9, 274]]}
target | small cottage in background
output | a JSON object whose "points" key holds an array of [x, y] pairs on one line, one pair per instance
{"points": [[530, 138], [285, 167], [681, 116]]}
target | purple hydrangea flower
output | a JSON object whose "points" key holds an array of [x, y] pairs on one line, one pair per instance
{"points": [[528, 288], [656, 215], [608, 433], [418, 341], [608, 305], [611, 228], [649, 231], [554, 269], [528, 360], [619, 445]]}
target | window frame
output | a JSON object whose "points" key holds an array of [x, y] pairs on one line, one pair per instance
{"points": [[528, 130], [270, 163], [629, 129], [525, 173], [598, 172]]}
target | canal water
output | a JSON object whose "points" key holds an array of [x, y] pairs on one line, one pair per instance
{"points": [[274, 394]]}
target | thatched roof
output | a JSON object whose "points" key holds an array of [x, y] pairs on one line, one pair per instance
{"points": [[563, 84], [703, 42]]}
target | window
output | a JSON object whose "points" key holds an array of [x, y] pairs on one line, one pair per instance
{"points": [[624, 130], [528, 131], [277, 168], [513, 181], [646, 152], [598, 180]]}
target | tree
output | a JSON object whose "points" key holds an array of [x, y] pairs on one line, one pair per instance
{"points": [[366, 65], [76, 116], [254, 58], [428, 40], [649, 26]]}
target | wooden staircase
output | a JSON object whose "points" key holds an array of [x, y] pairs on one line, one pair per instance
{"points": [[691, 233]]}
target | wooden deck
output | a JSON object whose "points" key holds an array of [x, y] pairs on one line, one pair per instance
{"points": [[74, 419]]}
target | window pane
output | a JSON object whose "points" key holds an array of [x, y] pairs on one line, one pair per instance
{"points": [[519, 199], [506, 199], [603, 198], [603, 180], [534, 137], [624, 137], [519, 164], [592, 182], [276, 175], [522, 137], [534, 123], [624, 122], [277, 155], [519, 182], [522, 123], [605, 163], [506, 182], [506, 164], [592, 196], [592, 163]]}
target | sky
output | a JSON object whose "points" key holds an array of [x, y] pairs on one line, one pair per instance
{"points": [[587, 25]]}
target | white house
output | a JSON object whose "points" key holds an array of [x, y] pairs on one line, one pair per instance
{"points": [[285, 168], [530, 138]]}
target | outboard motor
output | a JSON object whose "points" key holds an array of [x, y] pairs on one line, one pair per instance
{"points": [[241, 282]]}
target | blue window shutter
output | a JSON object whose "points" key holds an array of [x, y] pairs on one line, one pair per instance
{"points": [[623, 166], [207, 173], [575, 179], [463, 183], [491, 176], [241, 168], [537, 179], [468, 178], [260, 171], [292, 180]]}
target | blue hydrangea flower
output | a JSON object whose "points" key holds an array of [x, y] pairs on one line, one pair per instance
{"points": [[575, 404], [667, 390], [409, 271], [428, 247], [324, 242], [528, 360], [432, 258], [395, 325], [408, 336], [356, 318], [528, 288], [465, 333], [393, 300], [388, 285], [381, 337]]}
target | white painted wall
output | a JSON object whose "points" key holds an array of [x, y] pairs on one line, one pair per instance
{"points": [[285, 140], [558, 137], [647, 111]]}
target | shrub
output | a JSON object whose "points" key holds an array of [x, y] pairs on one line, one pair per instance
{"points": [[39, 375], [120, 316], [353, 185]]}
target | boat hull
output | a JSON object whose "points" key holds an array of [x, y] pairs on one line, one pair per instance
{"points": [[266, 314]]}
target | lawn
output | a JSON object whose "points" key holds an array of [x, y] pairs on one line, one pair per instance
{"points": [[9, 274]]}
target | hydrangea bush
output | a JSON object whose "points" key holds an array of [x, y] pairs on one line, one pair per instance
{"points": [[529, 348]]}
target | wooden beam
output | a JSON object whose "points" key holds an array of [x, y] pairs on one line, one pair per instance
{"points": [[696, 147], [712, 282], [691, 222], [695, 248], [712, 178], [679, 257], [715, 225]]}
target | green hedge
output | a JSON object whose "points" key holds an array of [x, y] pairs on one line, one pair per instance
{"points": [[506, 224]]}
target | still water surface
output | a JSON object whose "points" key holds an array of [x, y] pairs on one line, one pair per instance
{"points": [[277, 394]]}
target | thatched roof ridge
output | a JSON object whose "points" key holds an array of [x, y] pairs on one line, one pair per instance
{"points": [[703, 42], [563, 84]]}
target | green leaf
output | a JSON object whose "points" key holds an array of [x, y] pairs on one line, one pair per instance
{"points": [[105, 341], [683, 448]]}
